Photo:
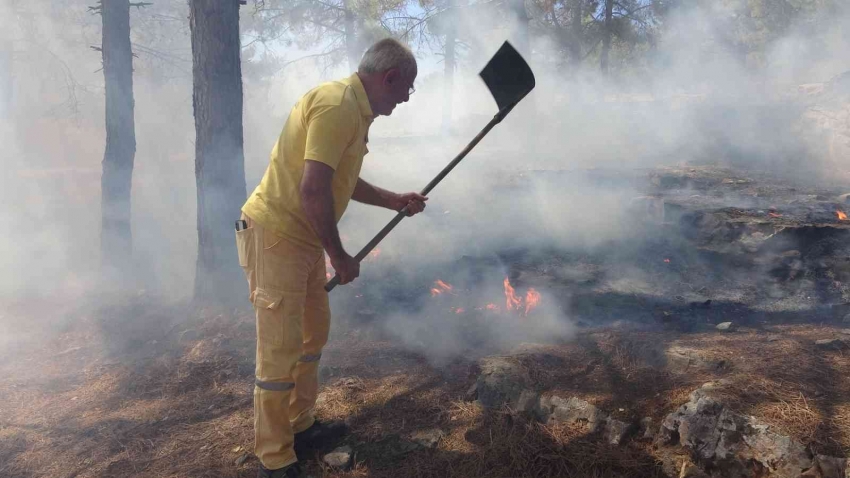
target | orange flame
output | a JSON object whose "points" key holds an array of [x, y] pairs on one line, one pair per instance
{"points": [[492, 306], [375, 253], [667, 260], [511, 300], [514, 302], [841, 215], [458, 310], [532, 298], [440, 287]]}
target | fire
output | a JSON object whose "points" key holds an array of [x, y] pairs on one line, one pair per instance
{"points": [[511, 300], [440, 287], [459, 310], [491, 306], [841, 215], [774, 214], [667, 261], [375, 253], [514, 302], [532, 298]]}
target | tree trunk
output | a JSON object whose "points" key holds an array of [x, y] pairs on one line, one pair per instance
{"points": [[116, 183], [6, 66], [352, 47], [522, 36], [606, 36], [449, 70], [219, 158], [576, 33]]}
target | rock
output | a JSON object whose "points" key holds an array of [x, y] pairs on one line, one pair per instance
{"points": [[558, 410], [427, 438], [845, 331], [188, 335], [830, 344], [528, 401], [472, 394], [646, 430], [828, 467], [725, 326], [242, 459], [684, 360], [617, 431], [774, 338], [727, 443], [340, 458], [501, 382]]}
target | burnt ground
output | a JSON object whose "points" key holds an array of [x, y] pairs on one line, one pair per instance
{"points": [[144, 389]]}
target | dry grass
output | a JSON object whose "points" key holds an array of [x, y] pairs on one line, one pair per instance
{"points": [[185, 409]]}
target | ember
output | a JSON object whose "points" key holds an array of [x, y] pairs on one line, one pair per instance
{"points": [[774, 214], [841, 215], [667, 261], [440, 287], [375, 253]]}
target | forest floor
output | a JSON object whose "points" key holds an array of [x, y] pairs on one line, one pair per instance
{"points": [[135, 388]]}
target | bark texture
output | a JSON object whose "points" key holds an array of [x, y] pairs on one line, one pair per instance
{"points": [[219, 157], [118, 158]]}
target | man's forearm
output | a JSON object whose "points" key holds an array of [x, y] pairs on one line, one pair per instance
{"points": [[319, 209], [373, 195]]}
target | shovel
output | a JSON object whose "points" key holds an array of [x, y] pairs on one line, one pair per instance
{"points": [[509, 79]]}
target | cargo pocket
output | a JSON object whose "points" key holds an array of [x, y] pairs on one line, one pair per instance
{"points": [[268, 303], [245, 246]]}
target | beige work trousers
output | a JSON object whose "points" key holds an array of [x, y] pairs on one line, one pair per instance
{"points": [[286, 283]]}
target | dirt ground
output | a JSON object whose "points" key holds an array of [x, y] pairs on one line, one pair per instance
{"points": [[185, 410], [142, 389]]}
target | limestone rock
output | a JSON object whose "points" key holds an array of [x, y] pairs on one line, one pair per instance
{"points": [[646, 430], [501, 382], [555, 409], [830, 344], [828, 467], [684, 360], [528, 401], [616, 431], [728, 443], [427, 438], [340, 458]]}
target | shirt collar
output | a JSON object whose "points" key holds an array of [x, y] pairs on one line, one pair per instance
{"points": [[360, 94]]}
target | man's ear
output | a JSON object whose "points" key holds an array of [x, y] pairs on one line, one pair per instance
{"points": [[391, 76]]}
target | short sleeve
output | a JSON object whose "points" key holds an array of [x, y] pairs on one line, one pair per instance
{"points": [[330, 130]]}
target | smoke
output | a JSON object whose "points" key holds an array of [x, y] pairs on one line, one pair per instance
{"points": [[559, 174]]}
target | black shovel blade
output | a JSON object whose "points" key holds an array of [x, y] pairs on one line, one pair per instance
{"points": [[508, 77]]}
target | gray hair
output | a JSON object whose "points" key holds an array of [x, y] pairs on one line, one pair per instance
{"points": [[387, 54]]}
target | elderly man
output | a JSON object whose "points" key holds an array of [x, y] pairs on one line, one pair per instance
{"points": [[287, 224]]}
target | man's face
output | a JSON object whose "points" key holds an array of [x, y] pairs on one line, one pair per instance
{"points": [[396, 89]]}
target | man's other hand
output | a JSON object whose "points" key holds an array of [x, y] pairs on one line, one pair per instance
{"points": [[347, 268], [414, 202]]}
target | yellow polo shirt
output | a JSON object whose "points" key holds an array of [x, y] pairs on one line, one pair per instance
{"points": [[329, 124]]}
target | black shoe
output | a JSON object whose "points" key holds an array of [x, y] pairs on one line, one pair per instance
{"points": [[291, 471], [320, 436]]}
